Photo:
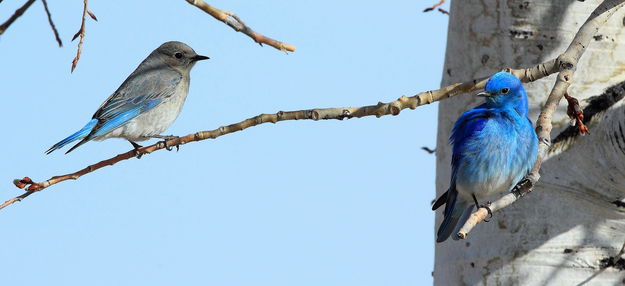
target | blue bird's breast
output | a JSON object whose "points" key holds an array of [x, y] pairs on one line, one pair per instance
{"points": [[493, 152]]}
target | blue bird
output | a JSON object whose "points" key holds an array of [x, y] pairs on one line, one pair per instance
{"points": [[494, 147], [146, 103]]}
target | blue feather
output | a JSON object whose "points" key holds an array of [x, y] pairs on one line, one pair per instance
{"points": [[116, 121], [82, 133]]}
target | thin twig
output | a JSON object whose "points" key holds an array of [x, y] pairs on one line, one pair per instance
{"points": [[378, 110], [567, 63], [235, 23], [81, 33], [15, 15], [56, 33], [427, 149], [441, 2]]}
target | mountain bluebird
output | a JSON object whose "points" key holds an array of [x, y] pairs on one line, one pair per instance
{"points": [[146, 103], [494, 147]]}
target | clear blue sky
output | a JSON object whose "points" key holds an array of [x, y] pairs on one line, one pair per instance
{"points": [[295, 203]]}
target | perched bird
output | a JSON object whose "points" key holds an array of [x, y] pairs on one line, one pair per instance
{"points": [[494, 147], [146, 103]]}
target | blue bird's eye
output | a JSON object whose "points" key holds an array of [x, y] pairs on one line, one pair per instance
{"points": [[505, 90], [178, 55]]}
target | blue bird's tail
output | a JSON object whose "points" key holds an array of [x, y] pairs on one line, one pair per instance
{"points": [[457, 211], [82, 133]]}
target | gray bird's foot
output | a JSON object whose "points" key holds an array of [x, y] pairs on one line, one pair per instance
{"points": [[168, 137], [486, 206], [138, 153]]}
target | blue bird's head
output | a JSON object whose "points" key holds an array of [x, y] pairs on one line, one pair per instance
{"points": [[505, 90]]}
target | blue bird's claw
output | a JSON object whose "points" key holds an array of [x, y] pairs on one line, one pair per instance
{"points": [[518, 188], [490, 212], [486, 206]]}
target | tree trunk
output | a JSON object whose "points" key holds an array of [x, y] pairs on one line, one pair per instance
{"points": [[569, 230]]}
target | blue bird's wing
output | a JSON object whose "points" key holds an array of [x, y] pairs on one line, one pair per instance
{"points": [[141, 91], [458, 209], [467, 125]]}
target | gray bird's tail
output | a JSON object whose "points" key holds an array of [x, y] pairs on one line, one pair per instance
{"points": [[82, 133], [457, 211]]}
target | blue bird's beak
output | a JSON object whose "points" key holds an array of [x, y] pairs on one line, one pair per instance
{"points": [[485, 94]]}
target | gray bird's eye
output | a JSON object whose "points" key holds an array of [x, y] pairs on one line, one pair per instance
{"points": [[505, 90], [178, 55]]}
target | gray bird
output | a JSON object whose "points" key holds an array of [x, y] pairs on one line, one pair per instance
{"points": [[146, 103]]}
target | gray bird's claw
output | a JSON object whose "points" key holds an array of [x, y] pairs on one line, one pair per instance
{"points": [[169, 137], [138, 154], [169, 148]]}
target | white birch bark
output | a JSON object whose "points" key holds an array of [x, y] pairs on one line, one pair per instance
{"points": [[561, 233]]}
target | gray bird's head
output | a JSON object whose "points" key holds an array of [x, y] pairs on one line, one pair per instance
{"points": [[178, 55]]}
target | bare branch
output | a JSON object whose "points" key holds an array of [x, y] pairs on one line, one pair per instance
{"points": [[15, 15], [378, 110], [567, 64], [235, 23], [56, 33]]}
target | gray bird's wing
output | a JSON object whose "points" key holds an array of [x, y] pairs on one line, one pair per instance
{"points": [[142, 89], [140, 92]]}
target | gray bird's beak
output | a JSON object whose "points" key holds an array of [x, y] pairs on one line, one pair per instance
{"points": [[485, 94], [199, 58]]}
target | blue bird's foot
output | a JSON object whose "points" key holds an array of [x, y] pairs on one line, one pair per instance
{"points": [[165, 139], [486, 206], [138, 153], [518, 188]]}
